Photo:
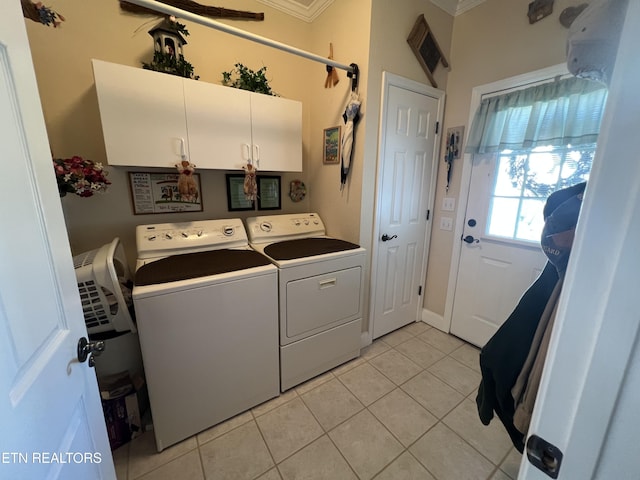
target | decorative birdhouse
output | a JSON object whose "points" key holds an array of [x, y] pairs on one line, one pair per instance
{"points": [[167, 39]]}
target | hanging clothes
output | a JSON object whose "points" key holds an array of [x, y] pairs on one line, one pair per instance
{"points": [[557, 240], [503, 357], [351, 117]]}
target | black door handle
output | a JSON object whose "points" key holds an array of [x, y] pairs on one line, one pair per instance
{"points": [[386, 238], [469, 239]]}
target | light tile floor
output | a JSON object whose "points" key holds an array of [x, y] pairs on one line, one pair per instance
{"points": [[405, 409]]}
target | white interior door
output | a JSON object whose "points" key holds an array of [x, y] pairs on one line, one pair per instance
{"points": [[406, 176], [50, 412]]}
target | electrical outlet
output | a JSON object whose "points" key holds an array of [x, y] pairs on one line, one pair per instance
{"points": [[446, 223], [448, 204]]}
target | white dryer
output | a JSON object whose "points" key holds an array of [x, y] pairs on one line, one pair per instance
{"points": [[320, 293], [207, 314]]}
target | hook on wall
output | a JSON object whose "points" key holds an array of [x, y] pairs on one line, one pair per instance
{"points": [[353, 75]]}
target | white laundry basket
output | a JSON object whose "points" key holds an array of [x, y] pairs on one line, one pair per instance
{"points": [[104, 283]]}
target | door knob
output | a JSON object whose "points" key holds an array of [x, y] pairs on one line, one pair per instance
{"points": [[469, 239], [386, 238], [87, 348]]}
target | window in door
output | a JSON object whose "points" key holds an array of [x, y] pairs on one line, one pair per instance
{"points": [[523, 181]]}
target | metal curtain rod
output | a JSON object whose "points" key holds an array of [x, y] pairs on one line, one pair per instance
{"points": [[352, 70]]}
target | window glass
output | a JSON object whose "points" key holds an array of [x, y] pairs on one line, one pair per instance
{"points": [[524, 180]]}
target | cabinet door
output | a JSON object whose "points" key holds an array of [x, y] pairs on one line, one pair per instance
{"points": [[276, 133], [142, 115], [219, 125]]}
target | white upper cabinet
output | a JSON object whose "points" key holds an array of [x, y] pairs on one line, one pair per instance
{"points": [[219, 125], [150, 119], [276, 130], [142, 114]]}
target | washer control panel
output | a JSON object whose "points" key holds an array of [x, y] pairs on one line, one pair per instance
{"points": [[163, 239], [274, 228]]}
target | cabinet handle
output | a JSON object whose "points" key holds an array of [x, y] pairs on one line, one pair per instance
{"points": [[256, 155], [247, 153], [183, 154]]}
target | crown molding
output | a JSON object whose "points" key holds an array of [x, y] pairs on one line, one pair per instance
{"points": [[457, 7], [298, 9]]}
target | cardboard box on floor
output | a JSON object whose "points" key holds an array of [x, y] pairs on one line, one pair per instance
{"points": [[121, 405]]}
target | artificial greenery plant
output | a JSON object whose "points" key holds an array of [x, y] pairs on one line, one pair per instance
{"points": [[247, 79]]}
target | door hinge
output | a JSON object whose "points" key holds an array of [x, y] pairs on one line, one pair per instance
{"points": [[428, 214], [437, 127], [420, 290]]}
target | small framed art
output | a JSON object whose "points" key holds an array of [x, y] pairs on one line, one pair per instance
{"points": [[160, 193], [236, 199], [269, 197], [331, 145]]}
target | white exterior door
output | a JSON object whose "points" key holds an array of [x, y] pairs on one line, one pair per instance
{"points": [[50, 413], [493, 272], [406, 174]]}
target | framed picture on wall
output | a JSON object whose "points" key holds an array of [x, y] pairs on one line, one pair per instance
{"points": [[236, 199], [159, 193], [331, 145], [269, 192]]}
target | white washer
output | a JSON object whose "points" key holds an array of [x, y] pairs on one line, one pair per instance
{"points": [[320, 283], [207, 314]]}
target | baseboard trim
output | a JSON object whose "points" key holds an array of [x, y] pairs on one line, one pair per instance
{"points": [[435, 320]]}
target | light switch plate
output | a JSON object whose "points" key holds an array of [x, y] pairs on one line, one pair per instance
{"points": [[449, 204], [446, 223]]}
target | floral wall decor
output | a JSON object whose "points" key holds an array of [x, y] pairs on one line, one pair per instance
{"points": [[80, 176]]}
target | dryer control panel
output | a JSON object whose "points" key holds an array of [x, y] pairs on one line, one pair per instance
{"points": [[276, 228], [163, 239]]}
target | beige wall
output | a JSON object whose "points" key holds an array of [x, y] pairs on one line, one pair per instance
{"points": [[101, 30], [490, 42], [487, 43], [391, 23]]}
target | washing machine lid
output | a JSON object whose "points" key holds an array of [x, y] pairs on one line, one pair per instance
{"points": [[196, 265], [307, 247]]}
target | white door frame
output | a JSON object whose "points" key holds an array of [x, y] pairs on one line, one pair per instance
{"points": [[391, 79], [476, 97]]}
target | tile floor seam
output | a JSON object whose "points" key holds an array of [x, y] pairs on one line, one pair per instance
{"points": [[474, 448], [264, 439], [165, 463], [204, 474], [342, 454]]}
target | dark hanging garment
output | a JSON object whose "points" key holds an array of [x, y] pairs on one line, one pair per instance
{"points": [[503, 357]]}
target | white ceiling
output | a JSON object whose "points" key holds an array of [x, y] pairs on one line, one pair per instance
{"points": [[308, 10]]}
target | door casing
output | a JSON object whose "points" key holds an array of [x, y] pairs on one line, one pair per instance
{"points": [[477, 93]]}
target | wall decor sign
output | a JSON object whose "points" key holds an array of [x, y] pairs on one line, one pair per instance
{"points": [[426, 49], [331, 140], [158, 193], [269, 195], [236, 198]]}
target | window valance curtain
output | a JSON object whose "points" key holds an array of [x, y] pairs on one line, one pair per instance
{"points": [[562, 112]]}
